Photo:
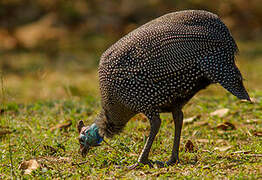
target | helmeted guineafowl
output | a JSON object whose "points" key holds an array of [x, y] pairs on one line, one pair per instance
{"points": [[158, 68]]}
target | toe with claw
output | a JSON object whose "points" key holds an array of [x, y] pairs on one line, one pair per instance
{"points": [[141, 164], [161, 164]]}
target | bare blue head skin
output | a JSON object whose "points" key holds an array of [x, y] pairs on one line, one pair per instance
{"points": [[89, 137]]}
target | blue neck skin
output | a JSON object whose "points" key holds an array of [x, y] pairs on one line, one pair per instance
{"points": [[91, 136]]}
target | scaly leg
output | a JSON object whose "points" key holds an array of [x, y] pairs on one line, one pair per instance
{"points": [[178, 120], [155, 123]]}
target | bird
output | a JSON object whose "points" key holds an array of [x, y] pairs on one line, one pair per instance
{"points": [[158, 68]]}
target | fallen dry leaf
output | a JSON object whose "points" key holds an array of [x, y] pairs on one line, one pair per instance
{"points": [[254, 155], [61, 126], [207, 167], [189, 147], [5, 132], [29, 166], [223, 148], [220, 112], [53, 159], [201, 123], [203, 140], [194, 133], [191, 119], [241, 152], [251, 121], [246, 101], [258, 133], [204, 150], [254, 100], [226, 126], [249, 133], [221, 141]]}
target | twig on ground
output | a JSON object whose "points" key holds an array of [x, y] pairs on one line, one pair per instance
{"points": [[80, 163]]}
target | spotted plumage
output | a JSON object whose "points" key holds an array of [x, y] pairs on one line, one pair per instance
{"points": [[160, 66]]}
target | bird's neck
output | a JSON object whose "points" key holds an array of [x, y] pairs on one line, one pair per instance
{"points": [[112, 120], [105, 126]]}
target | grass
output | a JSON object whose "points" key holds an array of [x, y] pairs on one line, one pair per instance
{"points": [[40, 95]]}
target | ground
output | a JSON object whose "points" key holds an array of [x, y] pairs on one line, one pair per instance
{"points": [[43, 102]]}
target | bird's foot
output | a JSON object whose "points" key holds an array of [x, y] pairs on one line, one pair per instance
{"points": [[141, 164], [161, 164]]}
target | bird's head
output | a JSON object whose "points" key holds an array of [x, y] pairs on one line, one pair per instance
{"points": [[221, 68], [88, 137]]}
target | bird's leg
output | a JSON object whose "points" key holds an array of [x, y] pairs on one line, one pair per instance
{"points": [[178, 120], [155, 123]]}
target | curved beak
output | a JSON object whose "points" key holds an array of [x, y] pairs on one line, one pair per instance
{"points": [[84, 149]]}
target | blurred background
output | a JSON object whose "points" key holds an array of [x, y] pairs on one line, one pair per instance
{"points": [[50, 49]]}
